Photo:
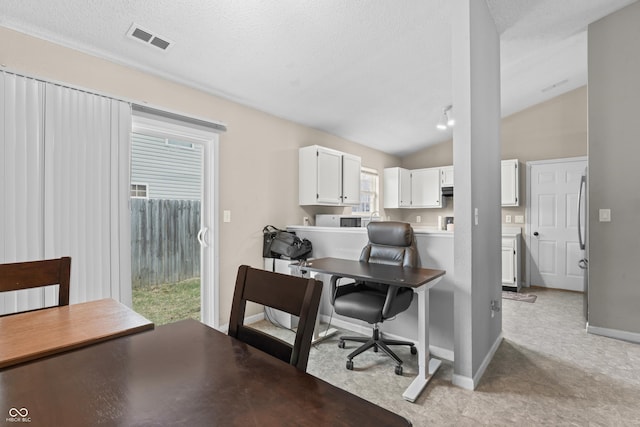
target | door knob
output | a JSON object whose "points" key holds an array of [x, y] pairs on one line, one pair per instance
{"points": [[535, 233]]}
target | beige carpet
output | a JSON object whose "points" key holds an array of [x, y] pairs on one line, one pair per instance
{"points": [[547, 371]]}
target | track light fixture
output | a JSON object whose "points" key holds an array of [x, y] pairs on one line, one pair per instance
{"points": [[446, 120]]}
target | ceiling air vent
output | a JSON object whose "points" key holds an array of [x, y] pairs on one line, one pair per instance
{"points": [[149, 38]]}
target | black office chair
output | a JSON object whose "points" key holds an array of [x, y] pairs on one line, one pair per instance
{"points": [[390, 243]]}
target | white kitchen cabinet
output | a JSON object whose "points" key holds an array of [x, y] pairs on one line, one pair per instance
{"points": [[446, 176], [511, 261], [418, 188], [510, 182], [425, 188], [397, 188], [351, 166], [328, 177]]}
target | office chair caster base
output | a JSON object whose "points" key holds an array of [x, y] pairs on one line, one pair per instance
{"points": [[350, 365], [341, 344], [414, 350], [399, 370]]}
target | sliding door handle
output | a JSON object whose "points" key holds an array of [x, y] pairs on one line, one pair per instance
{"points": [[202, 237]]}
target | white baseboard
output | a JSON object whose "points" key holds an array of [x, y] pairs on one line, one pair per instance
{"points": [[463, 382], [247, 321], [471, 383], [439, 352], [614, 333]]}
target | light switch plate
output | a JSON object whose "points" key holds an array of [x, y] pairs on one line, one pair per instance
{"points": [[226, 216], [604, 215], [519, 219]]}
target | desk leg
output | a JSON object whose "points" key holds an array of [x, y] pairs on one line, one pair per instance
{"points": [[318, 334], [427, 367]]}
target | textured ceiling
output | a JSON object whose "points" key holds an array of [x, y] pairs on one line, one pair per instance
{"points": [[377, 72]]}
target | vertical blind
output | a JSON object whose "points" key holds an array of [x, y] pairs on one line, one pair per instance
{"points": [[21, 180], [68, 153]]}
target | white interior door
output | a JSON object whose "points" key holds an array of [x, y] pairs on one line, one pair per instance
{"points": [[553, 224]]}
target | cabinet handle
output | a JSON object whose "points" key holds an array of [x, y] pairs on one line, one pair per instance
{"points": [[535, 233]]}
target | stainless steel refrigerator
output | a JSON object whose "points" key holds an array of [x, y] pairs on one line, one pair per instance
{"points": [[583, 236]]}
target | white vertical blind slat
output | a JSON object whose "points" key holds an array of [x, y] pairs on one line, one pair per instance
{"points": [[120, 212], [21, 215]]}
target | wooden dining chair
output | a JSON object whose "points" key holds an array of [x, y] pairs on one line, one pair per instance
{"points": [[34, 274], [294, 295]]}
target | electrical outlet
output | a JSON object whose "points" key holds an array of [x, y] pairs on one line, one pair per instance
{"points": [[507, 219], [495, 307], [305, 220]]}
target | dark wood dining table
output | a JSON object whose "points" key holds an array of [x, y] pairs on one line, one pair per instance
{"points": [[180, 374], [35, 334]]}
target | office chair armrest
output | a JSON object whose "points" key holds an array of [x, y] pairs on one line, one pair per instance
{"points": [[392, 292], [398, 299], [338, 290]]}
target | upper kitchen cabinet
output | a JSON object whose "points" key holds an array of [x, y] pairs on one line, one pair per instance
{"points": [[397, 188], [446, 176], [425, 188], [510, 183], [419, 188], [328, 177]]}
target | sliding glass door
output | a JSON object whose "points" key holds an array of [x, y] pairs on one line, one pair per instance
{"points": [[172, 220]]}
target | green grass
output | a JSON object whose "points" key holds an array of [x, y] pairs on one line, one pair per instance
{"points": [[168, 302]]}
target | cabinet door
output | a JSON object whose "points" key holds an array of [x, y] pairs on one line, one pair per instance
{"points": [[350, 179], [397, 188], [509, 176], [508, 263], [405, 188], [329, 181], [446, 176], [425, 188]]}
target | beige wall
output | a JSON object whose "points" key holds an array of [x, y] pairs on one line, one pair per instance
{"points": [[553, 129], [258, 155]]}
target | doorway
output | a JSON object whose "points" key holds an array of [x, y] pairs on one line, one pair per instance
{"points": [[552, 229], [172, 220]]}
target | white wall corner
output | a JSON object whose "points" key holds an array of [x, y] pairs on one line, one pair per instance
{"points": [[471, 383]]}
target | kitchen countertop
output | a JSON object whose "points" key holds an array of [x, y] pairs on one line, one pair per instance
{"points": [[506, 231], [416, 230]]}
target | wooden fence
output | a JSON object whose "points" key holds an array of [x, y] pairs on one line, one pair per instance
{"points": [[164, 244]]}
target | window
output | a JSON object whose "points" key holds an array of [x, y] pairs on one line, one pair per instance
{"points": [[369, 193], [139, 191]]}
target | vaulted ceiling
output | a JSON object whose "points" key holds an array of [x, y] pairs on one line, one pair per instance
{"points": [[377, 72]]}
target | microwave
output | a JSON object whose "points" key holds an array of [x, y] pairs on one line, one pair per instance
{"points": [[338, 221]]}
